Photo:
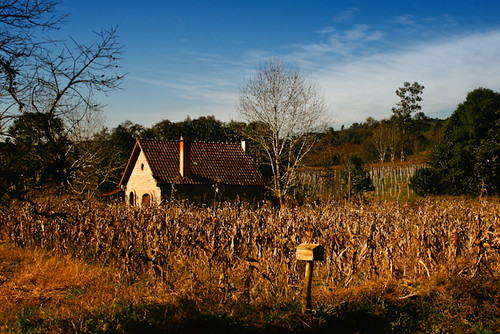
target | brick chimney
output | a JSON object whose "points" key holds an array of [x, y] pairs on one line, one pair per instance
{"points": [[244, 145], [185, 158]]}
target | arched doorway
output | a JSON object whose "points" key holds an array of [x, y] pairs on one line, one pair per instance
{"points": [[146, 200], [132, 198]]}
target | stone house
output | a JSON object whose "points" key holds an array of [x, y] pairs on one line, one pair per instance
{"points": [[159, 170]]}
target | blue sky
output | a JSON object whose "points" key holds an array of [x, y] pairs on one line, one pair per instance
{"points": [[191, 57]]}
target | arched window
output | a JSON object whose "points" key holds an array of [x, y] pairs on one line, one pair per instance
{"points": [[146, 200], [132, 198]]}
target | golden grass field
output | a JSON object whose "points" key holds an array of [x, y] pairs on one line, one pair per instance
{"points": [[233, 258]]}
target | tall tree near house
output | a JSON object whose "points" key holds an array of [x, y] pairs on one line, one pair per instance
{"points": [[410, 96], [52, 82], [287, 112], [94, 161]]}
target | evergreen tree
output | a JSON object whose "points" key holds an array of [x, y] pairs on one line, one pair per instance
{"points": [[355, 178], [467, 161], [410, 96]]}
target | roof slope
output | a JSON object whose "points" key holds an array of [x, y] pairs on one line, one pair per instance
{"points": [[210, 162]]}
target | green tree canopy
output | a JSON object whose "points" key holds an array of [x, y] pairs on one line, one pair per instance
{"points": [[467, 161], [204, 128], [35, 156], [410, 96]]}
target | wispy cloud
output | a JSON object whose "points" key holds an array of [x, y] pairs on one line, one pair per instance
{"points": [[345, 15], [342, 44], [358, 79], [326, 30], [403, 20], [362, 33], [191, 87], [364, 86]]}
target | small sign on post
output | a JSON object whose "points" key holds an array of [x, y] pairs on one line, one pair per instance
{"points": [[309, 253]]}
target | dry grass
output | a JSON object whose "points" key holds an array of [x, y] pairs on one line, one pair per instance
{"points": [[31, 280], [43, 292], [230, 258]]}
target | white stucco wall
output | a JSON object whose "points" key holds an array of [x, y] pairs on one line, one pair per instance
{"points": [[141, 182]]}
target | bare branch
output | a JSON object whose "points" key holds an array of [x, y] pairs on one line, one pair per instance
{"points": [[290, 111], [55, 86]]}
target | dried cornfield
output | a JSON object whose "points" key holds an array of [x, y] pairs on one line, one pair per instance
{"points": [[232, 251]]}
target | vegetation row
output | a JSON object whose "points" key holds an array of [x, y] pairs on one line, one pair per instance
{"points": [[233, 250]]}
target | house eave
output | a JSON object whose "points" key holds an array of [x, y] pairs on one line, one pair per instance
{"points": [[130, 165]]}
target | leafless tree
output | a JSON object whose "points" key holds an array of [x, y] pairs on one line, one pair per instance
{"points": [[57, 78], [39, 74], [395, 139], [93, 161], [288, 112], [381, 139], [21, 23]]}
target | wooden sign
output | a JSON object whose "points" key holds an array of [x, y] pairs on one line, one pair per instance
{"points": [[310, 252]]}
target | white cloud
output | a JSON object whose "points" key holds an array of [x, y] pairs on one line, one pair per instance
{"points": [[341, 43], [195, 88], [403, 20], [358, 87], [345, 15], [326, 30]]}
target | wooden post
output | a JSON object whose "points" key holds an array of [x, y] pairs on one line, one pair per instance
{"points": [[309, 253], [306, 290], [349, 187]]}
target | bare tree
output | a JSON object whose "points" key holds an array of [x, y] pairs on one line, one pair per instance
{"points": [[41, 75], [58, 80], [381, 139], [94, 162], [288, 112], [21, 22], [395, 139]]}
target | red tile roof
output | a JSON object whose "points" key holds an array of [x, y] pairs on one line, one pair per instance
{"points": [[210, 162]]}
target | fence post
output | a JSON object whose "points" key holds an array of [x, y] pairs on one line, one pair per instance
{"points": [[309, 253]]}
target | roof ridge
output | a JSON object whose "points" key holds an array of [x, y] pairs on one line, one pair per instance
{"points": [[192, 141]]}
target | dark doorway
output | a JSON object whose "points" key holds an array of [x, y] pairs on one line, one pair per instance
{"points": [[146, 200]]}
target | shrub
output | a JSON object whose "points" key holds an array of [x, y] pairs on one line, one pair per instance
{"points": [[425, 181], [355, 178]]}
